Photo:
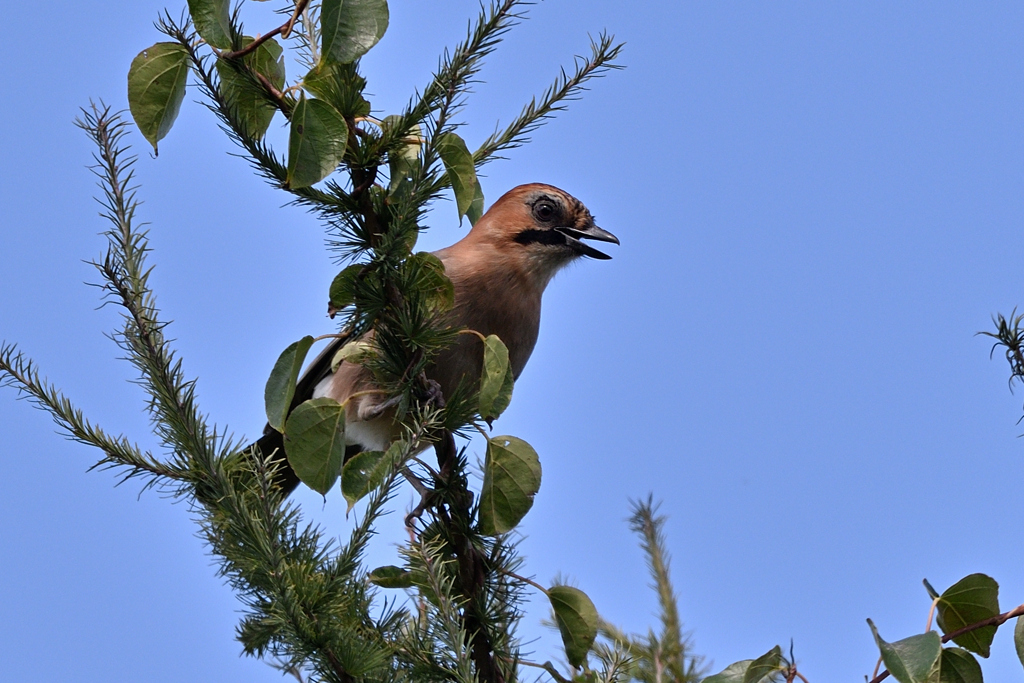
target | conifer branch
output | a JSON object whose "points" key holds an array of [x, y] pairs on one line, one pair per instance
{"points": [[456, 71], [264, 554], [565, 88], [18, 372], [665, 656], [171, 397]]}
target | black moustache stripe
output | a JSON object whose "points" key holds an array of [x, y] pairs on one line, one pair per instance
{"points": [[534, 236]]}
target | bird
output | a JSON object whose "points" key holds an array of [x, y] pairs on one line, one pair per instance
{"points": [[499, 272]]}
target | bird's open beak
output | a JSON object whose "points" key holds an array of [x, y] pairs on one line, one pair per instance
{"points": [[574, 235]]}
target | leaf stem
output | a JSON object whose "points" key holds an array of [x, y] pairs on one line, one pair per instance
{"points": [[482, 337], [533, 583], [340, 335], [931, 613]]}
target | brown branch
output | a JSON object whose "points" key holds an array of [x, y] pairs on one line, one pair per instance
{"points": [[278, 96], [472, 568], [337, 667], [997, 620], [284, 29]]}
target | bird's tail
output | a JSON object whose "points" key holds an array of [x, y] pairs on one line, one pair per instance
{"points": [[272, 444]]}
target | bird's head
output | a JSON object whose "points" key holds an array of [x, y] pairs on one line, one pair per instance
{"points": [[543, 225]]}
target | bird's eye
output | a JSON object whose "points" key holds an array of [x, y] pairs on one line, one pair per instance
{"points": [[544, 211]]}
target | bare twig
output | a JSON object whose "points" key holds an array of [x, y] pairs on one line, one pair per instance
{"points": [[997, 620], [284, 29]]}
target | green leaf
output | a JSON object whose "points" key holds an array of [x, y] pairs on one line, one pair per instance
{"points": [[511, 480], [495, 379], [391, 576], [246, 100], [340, 85], [959, 666], [349, 28], [1018, 638], [476, 207], [156, 87], [343, 288], [314, 441], [762, 668], [972, 599], [280, 389], [366, 471], [734, 673], [353, 352], [911, 660], [316, 143], [431, 280], [212, 21], [458, 161], [932, 593], [577, 621]]}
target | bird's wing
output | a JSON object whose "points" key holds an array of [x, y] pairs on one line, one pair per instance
{"points": [[272, 440], [314, 373]]}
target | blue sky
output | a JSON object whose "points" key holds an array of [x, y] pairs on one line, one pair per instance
{"points": [[819, 205]]}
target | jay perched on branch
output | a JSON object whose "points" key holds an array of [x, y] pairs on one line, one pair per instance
{"points": [[499, 271]]}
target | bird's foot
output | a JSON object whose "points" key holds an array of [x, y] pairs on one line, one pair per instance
{"points": [[375, 411], [435, 396], [428, 497]]}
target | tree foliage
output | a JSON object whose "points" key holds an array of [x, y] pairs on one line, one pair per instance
{"points": [[311, 603]]}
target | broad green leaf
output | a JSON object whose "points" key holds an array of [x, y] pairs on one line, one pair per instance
{"points": [[911, 660], [431, 279], [458, 162], [280, 389], [316, 143], [511, 480], [959, 666], [968, 601], [762, 668], [495, 379], [1018, 639], [156, 87], [577, 621], [349, 28], [476, 207], [314, 441], [353, 352], [340, 85], [246, 100], [343, 288], [366, 471], [391, 576], [734, 673], [212, 21]]}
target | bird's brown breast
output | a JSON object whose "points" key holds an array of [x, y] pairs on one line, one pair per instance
{"points": [[497, 299]]}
